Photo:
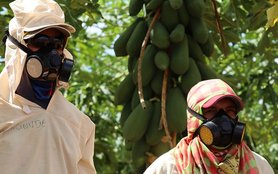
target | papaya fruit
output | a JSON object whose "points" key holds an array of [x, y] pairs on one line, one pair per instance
{"points": [[154, 134], [137, 123], [195, 8], [156, 83], [124, 91], [176, 110], [168, 16], [160, 36], [148, 66], [131, 63], [135, 7], [208, 46], [179, 59], [133, 46], [206, 71], [177, 34], [138, 156], [190, 78], [148, 93], [153, 4], [199, 30], [195, 50], [121, 41], [176, 4], [183, 15], [161, 60], [125, 113], [160, 149]]}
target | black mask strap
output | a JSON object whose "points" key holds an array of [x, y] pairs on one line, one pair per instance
{"points": [[18, 44], [195, 114]]}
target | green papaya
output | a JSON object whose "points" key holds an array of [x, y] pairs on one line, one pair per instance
{"points": [[168, 16], [177, 34], [148, 93], [199, 30], [154, 134], [135, 7], [206, 71], [160, 36], [148, 66], [156, 83], [208, 46], [137, 123], [121, 41], [131, 63], [153, 4], [190, 78], [133, 46], [195, 50], [161, 60], [125, 113], [176, 110], [138, 156], [124, 91], [176, 4], [183, 15], [179, 62], [160, 148], [195, 8]]}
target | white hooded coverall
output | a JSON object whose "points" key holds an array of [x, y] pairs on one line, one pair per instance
{"points": [[33, 140]]}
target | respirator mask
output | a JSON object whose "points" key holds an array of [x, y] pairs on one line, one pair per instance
{"points": [[220, 131], [45, 63]]}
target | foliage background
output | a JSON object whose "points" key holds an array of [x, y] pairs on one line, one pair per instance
{"points": [[250, 67]]}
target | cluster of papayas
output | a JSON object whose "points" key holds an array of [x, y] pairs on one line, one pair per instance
{"points": [[180, 43]]}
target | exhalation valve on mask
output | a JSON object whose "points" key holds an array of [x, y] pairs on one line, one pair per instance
{"points": [[221, 131], [46, 65]]}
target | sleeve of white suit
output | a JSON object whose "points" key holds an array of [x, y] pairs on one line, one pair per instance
{"points": [[86, 163]]}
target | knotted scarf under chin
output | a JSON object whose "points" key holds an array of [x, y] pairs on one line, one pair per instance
{"points": [[43, 89]]}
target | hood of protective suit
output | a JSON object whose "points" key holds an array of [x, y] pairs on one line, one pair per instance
{"points": [[29, 19]]}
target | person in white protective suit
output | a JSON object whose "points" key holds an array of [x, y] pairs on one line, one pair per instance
{"points": [[40, 131]]}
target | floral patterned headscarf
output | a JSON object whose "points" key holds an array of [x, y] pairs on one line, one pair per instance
{"points": [[192, 156]]}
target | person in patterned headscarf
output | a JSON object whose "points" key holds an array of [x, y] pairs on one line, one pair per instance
{"points": [[214, 143]]}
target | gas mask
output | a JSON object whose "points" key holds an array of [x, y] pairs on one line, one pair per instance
{"points": [[220, 131], [46, 63]]}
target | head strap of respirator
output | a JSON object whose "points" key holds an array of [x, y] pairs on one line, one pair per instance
{"points": [[220, 131], [47, 65]]}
